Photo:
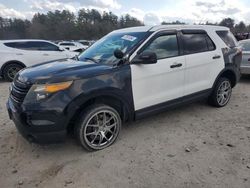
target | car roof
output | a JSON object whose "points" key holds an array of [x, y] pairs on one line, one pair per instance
{"points": [[173, 27], [24, 40]]}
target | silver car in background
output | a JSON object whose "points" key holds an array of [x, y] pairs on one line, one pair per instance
{"points": [[245, 64]]}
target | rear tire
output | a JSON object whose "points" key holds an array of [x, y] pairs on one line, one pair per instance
{"points": [[98, 127], [10, 71], [221, 93]]}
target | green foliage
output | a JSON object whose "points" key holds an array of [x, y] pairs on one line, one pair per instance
{"points": [[88, 24], [227, 22], [241, 27], [177, 22], [64, 25]]}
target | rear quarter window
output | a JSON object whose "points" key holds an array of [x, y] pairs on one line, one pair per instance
{"points": [[228, 38]]}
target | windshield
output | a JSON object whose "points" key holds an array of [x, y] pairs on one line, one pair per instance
{"points": [[103, 50]]}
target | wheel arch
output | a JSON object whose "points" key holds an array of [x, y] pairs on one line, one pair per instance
{"points": [[227, 73], [112, 99], [11, 62]]}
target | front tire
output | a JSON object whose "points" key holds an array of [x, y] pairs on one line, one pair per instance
{"points": [[10, 71], [98, 127], [221, 93]]}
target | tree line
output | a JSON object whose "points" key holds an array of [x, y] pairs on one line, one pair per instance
{"points": [[87, 24], [240, 27], [64, 25]]}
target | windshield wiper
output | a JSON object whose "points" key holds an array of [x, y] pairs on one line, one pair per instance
{"points": [[90, 59]]}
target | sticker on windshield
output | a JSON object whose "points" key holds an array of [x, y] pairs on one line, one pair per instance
{"points": [[129, 38]]}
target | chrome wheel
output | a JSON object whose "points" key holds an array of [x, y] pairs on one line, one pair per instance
{"points": [[224, 93], [101, 129]]}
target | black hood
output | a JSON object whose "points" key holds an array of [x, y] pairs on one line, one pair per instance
{"points": [[62, 70]]}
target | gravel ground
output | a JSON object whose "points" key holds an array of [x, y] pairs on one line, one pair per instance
{"points": [[192, 146]]}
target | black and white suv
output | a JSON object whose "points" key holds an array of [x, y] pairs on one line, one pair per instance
{"points": [[126, 75]]}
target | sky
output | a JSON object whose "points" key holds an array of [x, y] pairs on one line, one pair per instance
{"points": [[150, 12]]}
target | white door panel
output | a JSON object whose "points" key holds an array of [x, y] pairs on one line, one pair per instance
{"points": [[29, 57], [32, 57], [201, 71], [53, 55], [203, 63], [157, 83]]}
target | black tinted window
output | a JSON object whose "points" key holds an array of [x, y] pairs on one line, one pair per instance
{"points": [[228, 38], [164, 46], [195, 43], [18, 45], [44, 46], [67, 44], [33, 45], [210, 44], [85, 43]]}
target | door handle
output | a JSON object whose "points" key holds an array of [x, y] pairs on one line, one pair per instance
{"points": [[175, 65], [216, 57], [46, 54], [19, 54]]}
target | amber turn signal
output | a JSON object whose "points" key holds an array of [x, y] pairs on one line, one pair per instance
{"points": [[52, 88]]}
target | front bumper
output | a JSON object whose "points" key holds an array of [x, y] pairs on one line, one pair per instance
{"points": [[41, 134]]}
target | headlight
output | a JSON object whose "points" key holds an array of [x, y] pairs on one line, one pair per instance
{"points": [[39, 92], [52, 88]]}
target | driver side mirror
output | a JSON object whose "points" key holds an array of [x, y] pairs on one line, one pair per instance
{"points": [[118, 54], [146, 57]]}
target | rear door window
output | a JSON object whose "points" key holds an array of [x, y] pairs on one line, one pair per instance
{"points": [[196, 43], [228, 38], [210, 44], [44, 46]]}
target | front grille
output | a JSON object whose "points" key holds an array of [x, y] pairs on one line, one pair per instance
{"points": [[18, 91]]}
